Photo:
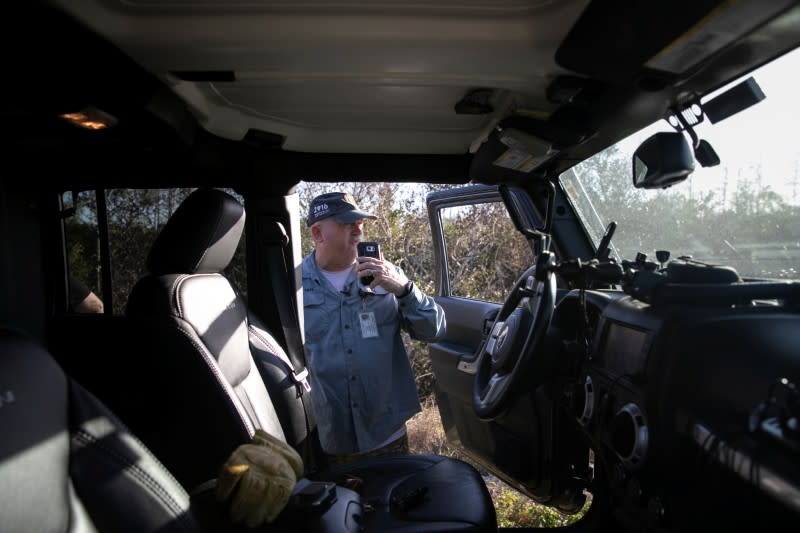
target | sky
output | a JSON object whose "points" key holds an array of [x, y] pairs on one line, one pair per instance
{"points": [[766, 135]]}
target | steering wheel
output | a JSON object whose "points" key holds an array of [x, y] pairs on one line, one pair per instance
{"points": [[510, 354]]}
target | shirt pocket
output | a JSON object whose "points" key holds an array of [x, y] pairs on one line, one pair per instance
{"points": [[385, 308], [317, 319]]}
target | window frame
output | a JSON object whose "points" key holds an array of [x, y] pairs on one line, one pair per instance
{"points": [[464, 196], [105, 245]]}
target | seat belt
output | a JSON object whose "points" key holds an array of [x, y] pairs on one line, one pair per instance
{"points": [[275, 240]]}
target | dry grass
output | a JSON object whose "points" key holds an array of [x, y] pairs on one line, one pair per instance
{"points": [[514, 509], [426, 435]]}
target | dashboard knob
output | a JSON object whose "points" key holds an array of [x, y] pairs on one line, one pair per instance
{"points": [[629, 435]]}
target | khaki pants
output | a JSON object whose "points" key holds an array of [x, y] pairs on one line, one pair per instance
{"points": [[397, 447]]}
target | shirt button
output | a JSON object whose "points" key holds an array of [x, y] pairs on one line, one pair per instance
{"points": [[355, 404], [352, 378], [349, 350], [347, 326]]}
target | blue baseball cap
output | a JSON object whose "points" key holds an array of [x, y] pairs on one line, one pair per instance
{"points": [[338, 205]]}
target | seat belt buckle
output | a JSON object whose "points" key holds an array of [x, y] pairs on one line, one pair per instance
{"points": [[302, 378], [352, 482], [312, 496]]}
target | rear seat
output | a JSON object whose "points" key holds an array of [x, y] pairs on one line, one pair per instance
{"points": [[68, 464], [191, 335]]}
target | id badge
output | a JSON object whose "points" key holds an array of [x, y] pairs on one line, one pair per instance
{"points": [[369, 327]]}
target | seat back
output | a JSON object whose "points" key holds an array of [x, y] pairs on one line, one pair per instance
{"points": [[67, 463], [197, 374]]}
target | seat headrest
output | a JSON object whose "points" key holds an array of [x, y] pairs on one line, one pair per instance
{"points": [[200, 237]]}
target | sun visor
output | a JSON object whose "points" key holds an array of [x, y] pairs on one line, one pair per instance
{"points": [[518, 146], [618, 42]]}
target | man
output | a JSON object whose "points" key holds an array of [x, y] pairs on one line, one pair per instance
{"points": [[81, 297], [364, 388]]}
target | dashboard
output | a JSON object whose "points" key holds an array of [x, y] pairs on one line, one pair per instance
{"points": [[661, 388]]}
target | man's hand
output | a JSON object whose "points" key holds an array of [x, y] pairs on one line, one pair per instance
{"points": [[384, 273]]}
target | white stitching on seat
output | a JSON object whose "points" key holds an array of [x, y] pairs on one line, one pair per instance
{"points": [[86, 438], [271, 348], [220, 379], [210, 361]]}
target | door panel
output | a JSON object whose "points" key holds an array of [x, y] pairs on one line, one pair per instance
{"points": [[510, 446], [466, 320], [453, 358]]}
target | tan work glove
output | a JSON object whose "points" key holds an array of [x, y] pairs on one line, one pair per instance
{"points": [[278, 446], [260, 478]]}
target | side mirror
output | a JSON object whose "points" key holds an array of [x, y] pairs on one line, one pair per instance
{"points": [[662, 160]]}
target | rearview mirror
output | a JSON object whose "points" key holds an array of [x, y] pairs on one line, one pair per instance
{"points": [[661, 161]]}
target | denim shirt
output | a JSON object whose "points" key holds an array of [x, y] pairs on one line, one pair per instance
{"points": [[363, 388]]}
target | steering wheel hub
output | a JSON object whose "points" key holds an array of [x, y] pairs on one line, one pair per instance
{"points": [[500, 345]]}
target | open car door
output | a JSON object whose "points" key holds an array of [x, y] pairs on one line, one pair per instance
{"points": [[483, 276]]}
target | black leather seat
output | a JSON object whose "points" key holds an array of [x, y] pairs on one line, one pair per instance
{"points": [[66, 463], [194, 348]]}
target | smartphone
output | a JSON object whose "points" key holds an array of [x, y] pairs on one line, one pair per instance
{"points": [[368, 249]]}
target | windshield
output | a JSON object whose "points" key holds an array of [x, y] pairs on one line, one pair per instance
{"points": [[744, 212]]}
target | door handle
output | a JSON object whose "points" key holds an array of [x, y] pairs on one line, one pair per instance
{"points": [[468, 367]]}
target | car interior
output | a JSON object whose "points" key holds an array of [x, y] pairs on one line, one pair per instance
{"points": [[661, 394]]}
